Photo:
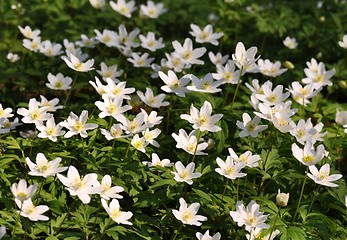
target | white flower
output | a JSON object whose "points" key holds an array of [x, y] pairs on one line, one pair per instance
{"points": [[80, 186], [2, 231], [98, 4], [51, 104], [110, 72], [32, 44], [250, 127], [43, 167], [125, 41], [86, 41], [174, 62], [50, 49], [107, 191], [189, 143], [206, 84], [156, 162], [151, 119], [245, 59], [76, 64], [227, 73], [272, 97], [34, 113], [115, 213], [308, 156], [149, 42], [50, 131], [322, 176], [206, 236], [153, 101], [115, 132], [107, 37], [139, 143], [185, 174], [5, 113], [188, 215], [317, 74], [268, 68], [134, 126], [247, 158], [229, 169], [340, 118], [77, 125], [256, 233], [218, 58], [205, 35], [343, 43], [29, 210], [303, 131], [187, 53], [290, 43], [21, 191], [152, 10], [173, 84], [98, 86], [58, 82], [28, 33], [249, 216], [124, 8], [118, 89], [301, 94], [282, 198], [111, 107], [203, 119], [12, 57], [140, 60], [150, 135]]}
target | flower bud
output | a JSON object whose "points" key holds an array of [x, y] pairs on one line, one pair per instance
{"points": [[343, 84], [282, 199], [341, 117], [288, 65]]}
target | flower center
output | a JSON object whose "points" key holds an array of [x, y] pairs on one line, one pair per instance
{"points": [[111, 108], [202, 120], [35, 115], [229, 170], [250, 127], [77, 184], [273, 98], [115, 214], [184, 174], [58, 84], [308, 158], [186, 216], [78, 126]]}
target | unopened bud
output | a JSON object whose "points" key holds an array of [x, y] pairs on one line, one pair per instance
{"points": [[288, 65], [282, 198], [343, 84]]}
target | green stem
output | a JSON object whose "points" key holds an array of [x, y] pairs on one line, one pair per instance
{"points": [[197, 143], [15, 226], [68, 95], [110, 155], [179, 229], [225, 188], [67, 214], [237, 189], [172, 103], [237, 88], [274, 226], [314, 198], [126, 153], [301, 193]]}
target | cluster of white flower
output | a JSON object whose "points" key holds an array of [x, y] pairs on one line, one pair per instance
{"points": [[6, 124]]}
